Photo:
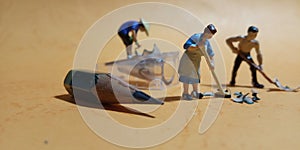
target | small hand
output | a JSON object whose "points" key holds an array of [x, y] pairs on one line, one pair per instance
{"points": [[235, 50], [212, 66], [135, 50], [137, 45], [260, 67]]}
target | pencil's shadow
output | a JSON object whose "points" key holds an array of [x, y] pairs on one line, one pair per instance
{"points": [[92, 103]]}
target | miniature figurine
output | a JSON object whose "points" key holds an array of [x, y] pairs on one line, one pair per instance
{"points": [[128, 33], [189, 67], [245, 45]]}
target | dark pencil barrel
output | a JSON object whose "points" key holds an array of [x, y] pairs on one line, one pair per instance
{"points": [[84, 85]]}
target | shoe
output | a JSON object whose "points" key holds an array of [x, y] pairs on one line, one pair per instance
{"points": [[239, 97], [197, 95], [257, 85], [248, 100], [254, 95], [238, 94], [255, 98], [187, 97], [129, 56]]}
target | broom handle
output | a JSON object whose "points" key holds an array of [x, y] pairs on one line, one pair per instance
{"points": [[256, 67], [208, 61]]}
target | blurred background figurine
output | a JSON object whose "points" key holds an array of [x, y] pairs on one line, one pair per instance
{"points": [[189, 67], [245, 45], [128, 33]]}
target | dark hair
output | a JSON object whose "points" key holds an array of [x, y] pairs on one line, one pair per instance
{"points": [[211, 28], [253, 29]]}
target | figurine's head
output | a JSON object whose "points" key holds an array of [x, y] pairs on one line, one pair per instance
{"points": [[209, 31], [252, 32], [145, 26]]}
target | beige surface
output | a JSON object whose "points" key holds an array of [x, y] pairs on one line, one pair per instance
{"points": [[38, 40]]}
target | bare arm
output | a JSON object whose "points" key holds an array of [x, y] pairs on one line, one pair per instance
{"points": [[230, 41], [134, 38], [133, 35], [259, 54]]}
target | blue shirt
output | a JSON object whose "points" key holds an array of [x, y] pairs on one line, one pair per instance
{"points": [[128, 26], [195, 39]]}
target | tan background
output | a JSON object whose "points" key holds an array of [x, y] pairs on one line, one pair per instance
{"points": [[38, 40]]}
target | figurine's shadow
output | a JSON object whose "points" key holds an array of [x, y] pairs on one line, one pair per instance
{"points": [[179, 98], [275, 90], [228, 85], [278, 90], [93, 103]]}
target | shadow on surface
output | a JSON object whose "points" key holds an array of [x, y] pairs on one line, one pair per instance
{"points": [[241, 86], [171, 98], [279, 90], [227, 85], [178, 98], [94, 104]]}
